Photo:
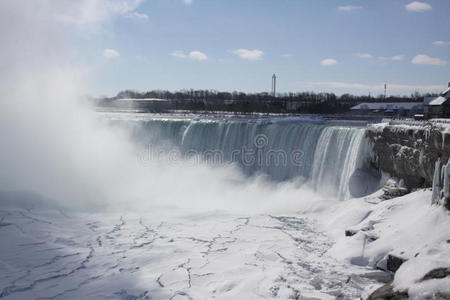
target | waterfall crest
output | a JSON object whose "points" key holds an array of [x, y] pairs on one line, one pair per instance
{"points": [[324, 157]]}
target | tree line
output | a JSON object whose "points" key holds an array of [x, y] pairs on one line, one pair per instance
{"points": [[301, 102]]}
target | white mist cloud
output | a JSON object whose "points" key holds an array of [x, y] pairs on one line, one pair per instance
{"points": [[422, 59], [417, 6], [195, 55], [41, 107], [55, 145], [349, 8], [249, 54], [110, 53], [92, 12], [187, 2], [329, 62], [287, 55]]}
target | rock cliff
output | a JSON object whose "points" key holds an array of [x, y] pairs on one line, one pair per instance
{"points": [[409, 152]]}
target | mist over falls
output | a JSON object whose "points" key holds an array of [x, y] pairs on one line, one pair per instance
{"points": [[53, 145], [327, 158]]}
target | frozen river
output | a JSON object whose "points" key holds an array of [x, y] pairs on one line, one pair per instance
{"points": [[50, 254]]}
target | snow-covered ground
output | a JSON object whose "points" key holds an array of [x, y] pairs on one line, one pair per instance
{"points": [[408, 124], [408, 227], [168, 253]]}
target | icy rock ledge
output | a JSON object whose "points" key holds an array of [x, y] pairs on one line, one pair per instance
{"points": [[387, 291], [409, 152]]}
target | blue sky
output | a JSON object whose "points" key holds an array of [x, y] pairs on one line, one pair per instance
{"points": [[352, 46]]}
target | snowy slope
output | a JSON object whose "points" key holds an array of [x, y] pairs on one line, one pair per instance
{"points": [[408, 227]]}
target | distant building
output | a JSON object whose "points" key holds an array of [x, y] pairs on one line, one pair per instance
{"points": [[438, 107], [145, 104], [388, 109]]}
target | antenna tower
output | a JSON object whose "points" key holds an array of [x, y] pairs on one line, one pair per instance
{"points": [[274, 85]]}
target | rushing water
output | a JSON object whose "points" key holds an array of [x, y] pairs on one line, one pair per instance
{"points": [[283, 149]]}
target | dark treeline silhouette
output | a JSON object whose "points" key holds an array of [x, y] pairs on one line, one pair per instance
{"points": [[302, 102]]}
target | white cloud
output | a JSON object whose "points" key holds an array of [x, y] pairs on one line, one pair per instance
{"points": [[417, 6], [110, 53], [364, 55], [423, 59], [398, 57], [249, 54], [384, 58], [138, 15], [395, 58], [84, 12], [328, 62], [373, 87], [348, 8], [187, 2], [196, 55], [441, 43], [286, 55]]}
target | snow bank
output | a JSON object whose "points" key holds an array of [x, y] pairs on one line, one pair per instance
{"points": [[442, 125], [377, 127], [408, 227]]}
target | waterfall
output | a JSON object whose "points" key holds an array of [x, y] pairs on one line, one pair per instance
{"points": [[340, 151], [323, 156]]}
